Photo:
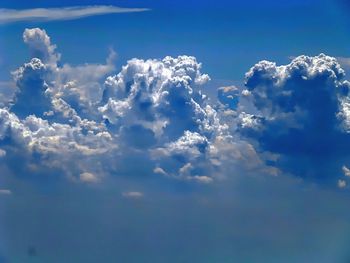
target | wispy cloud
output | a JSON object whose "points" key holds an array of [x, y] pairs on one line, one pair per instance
{"points": [[132, 195], [344, 62], [5, 192], [64, 13]]}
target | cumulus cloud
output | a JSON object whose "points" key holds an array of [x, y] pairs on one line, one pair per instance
{"points": [[79, 119], [63, 13], [302, 114], [46, 118], [40, 46], [159, 106], [89, 122], [31, 94]]}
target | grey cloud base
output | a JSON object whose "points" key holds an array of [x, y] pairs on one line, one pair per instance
{"points": [[87, 124]]}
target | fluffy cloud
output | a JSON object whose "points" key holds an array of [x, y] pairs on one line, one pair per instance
{"points": [[346, 170], [88, 178], [159, 106], [40, 46], [31, 94], [78, 119], [301, 114], [161, 96], [154, 113]]}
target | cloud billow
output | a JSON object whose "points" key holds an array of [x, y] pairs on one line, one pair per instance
{"points": [[82, 121], [303, 114], [88, 122]]}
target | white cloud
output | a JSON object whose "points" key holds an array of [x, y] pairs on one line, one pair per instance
{"points": [[5, 192], [85, 123], [346, 170], [63, 13], [40, 46], [2, 153], [132, 195], [88, 178], [341, 183], [160, 171], [301, 112]]}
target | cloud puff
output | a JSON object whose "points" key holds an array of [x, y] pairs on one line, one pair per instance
{"points": [[132, 195], [301, 114], [88, 178], [31, 94], [46, 118], [42, 84], [341, 183], [40, 46], [346, 170], [159, 106], [63, 13]]}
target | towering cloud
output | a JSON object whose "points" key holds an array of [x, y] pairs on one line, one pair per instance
{"points": [[301, 114], [32, 89], [40, 46]]}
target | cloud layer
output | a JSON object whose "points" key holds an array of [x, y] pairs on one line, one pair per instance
{"points": [[88, 122], [63, 13]]}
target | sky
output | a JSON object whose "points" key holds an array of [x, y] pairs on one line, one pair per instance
{"points": [[174, 131]]}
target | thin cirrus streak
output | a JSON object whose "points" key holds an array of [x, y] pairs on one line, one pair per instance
{"points": [[63, 13]]}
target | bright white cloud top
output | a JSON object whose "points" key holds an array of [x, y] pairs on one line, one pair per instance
{"points": [[62, 13]]}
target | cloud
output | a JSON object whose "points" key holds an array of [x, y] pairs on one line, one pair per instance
{"points": [[5, 192], [292, 119], [63, 13], [132, 195], [2, 153], [158, 106], [40, 46], [77, 119], [88, 178], [301, 115], [31, 94], [346, 170], [344, 62], [228, 96], [341, 183]]}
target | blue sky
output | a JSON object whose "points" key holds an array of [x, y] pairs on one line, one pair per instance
{"points": [[233, 34], [174, 131]]}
